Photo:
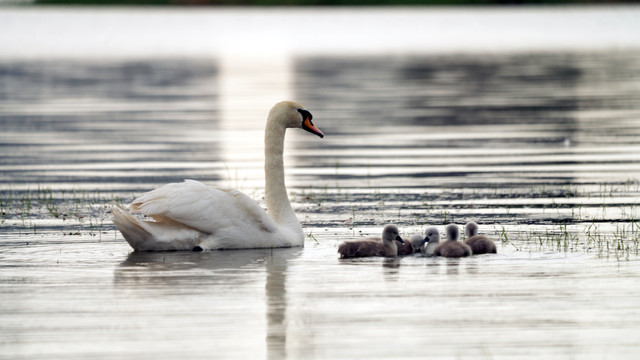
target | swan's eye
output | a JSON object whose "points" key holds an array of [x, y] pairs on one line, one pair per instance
{"points": [[305, 114], [307, 124]]}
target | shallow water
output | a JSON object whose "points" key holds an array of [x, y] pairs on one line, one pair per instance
{"points": [[540, 148]]}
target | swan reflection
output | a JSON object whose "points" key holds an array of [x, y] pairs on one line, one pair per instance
{"points": [[212, 276]]}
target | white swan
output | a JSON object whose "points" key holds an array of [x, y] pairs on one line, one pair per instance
{"points": [[192, 216]]}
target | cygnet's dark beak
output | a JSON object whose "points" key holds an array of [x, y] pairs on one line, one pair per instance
{"points": [[425, 240], [307, 124], [398, 238]]}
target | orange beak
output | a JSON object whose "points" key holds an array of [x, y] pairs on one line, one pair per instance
{"points": [[308, 125]]}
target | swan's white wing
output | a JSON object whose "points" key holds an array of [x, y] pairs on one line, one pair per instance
{"points": [[204, 208]]}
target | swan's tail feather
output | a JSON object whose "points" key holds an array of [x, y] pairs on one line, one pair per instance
{"points": [[130, 227]]}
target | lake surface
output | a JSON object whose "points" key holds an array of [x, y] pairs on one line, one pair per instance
{"points": [[541, 148]]}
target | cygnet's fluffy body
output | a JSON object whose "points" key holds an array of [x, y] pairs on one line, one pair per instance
{"points": [[452, 248], [375, 246], [479, 244], [432, 240]]}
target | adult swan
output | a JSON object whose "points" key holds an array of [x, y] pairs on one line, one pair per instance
{"points": [[192, 216]]}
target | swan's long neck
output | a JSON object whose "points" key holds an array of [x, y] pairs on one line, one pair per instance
{"points": [[278, 205]]}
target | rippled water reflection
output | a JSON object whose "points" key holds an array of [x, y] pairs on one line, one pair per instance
{"points": [[540, 149]]}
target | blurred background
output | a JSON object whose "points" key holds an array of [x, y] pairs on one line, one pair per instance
{"points": [[521, 116], [312, 2]]}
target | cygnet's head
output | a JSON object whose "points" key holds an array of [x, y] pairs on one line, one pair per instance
{"points": [[391, 233], [471, 229], [417, 243], [431, 235], [452, 232], [293, 115]]}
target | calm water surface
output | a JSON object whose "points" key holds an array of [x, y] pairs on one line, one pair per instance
{"points": [[541, 149]]}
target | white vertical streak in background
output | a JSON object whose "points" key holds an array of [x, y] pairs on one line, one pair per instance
{"points": [[249, 87]]}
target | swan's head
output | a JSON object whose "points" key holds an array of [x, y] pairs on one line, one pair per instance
{"points": [[452, 232], [431, 235], [471, 229], [293, 115], [391, 233]]}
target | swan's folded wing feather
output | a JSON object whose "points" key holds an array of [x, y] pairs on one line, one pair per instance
{"points": [[207, 209]]}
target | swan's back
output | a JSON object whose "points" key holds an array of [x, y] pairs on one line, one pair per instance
{"points": [[191, 214], [205, 208], [160, 235]]}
